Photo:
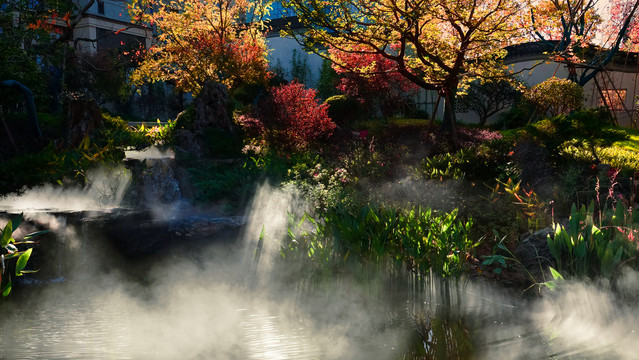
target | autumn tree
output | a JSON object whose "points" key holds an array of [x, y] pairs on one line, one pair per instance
{"points": [[619, 12], [372, 79], [436, 44], [567, 27], [202, 40]]}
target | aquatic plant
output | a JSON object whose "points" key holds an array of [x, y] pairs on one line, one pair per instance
{"points": [[595, 242], [14, 261], [420, 239]]}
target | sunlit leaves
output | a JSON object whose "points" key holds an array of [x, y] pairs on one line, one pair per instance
{"points": [[371, 78], [300, 116], [22, 261], [6, 234], [619, 11], [436, 44], [10, 254], [575, 21], [200, 41]]}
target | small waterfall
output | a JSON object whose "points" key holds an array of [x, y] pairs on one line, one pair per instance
{"points": [[155, 178], [158, 183]]}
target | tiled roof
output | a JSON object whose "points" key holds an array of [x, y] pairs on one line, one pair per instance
{"points": [[538, 48]]}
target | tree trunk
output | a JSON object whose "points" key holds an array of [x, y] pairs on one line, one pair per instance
{"points": [[448, 123]]}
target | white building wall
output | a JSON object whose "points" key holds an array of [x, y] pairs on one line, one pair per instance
{"points": [[533, 72], [281, 54]]}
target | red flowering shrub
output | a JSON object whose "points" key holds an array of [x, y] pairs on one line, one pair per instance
{"points": [[298, 117]]}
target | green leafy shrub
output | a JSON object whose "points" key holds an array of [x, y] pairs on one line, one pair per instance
{"points": [[587, 130], [517, 116], [555, 96], [222, 144], [491, 160], [217, 182], [342, 109], [328, 79], [419, 238], [117, 132], [233, 180], [321, 185], [186, 118]]}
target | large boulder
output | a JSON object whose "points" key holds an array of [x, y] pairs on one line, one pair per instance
{"points": [[188, 142], [211, 108]]}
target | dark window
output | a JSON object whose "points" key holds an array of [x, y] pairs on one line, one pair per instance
{"points": [[101, 7], [108, 40]]}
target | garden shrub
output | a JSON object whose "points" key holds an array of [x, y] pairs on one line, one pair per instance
{"points": [[466, 138], [218, 182], [469, 137], [492, 160], [517, 116], [364, 161], [117, 132], [186, 118], [327, 83], [221, 144], [322, 185], [342, 109], [291, 119], [617, 157], [250, 125], [555, 96], [587, 129], [301, 116], [247, 95], [160, 134]]}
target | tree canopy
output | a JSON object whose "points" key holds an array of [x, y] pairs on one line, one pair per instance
{"points": [[200, 41], [620, 11], [436, 44], [573, 24]]}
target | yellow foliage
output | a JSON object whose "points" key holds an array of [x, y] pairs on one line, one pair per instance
{"points": [[203, 40]]}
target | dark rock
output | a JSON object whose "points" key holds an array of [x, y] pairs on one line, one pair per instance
{"points": [[140, 233], [155, 182], [534, 254], [211, 108], [188, 142]]}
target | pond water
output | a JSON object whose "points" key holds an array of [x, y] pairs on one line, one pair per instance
{"points": [[208, 298]]}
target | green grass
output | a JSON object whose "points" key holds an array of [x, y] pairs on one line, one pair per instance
{"points": [[631, 143]]}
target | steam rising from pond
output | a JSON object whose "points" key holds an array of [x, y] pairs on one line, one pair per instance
{"points": [[105, 188], [218, 302]]}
